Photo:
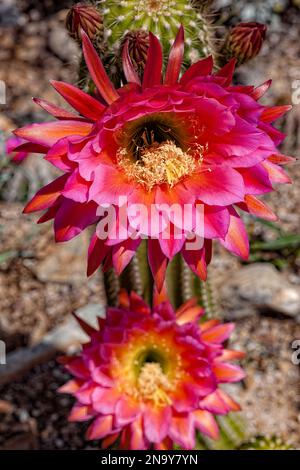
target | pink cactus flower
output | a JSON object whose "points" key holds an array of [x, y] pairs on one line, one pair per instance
{"points": [[189, 140], [151, 379]]}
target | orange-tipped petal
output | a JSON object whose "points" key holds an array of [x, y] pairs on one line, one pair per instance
{"points": [[276, 173], [158, 263], [46, 196], [259, 91], [232, 404], [175, 59], [79, 100], [280, 159], [97, 71], [153, 68], [137, 440], [70, 387], [56, 111], [100, 428], [231, 355], [205, 422], [48, 133], [81, 413], [236, 239], [271, 114], [259, 208], [189, 315], [209, 324], [218, 333], [160, 297], [228, 372]]}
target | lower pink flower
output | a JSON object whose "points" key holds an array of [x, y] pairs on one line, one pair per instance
{"points": [[151, 379]]}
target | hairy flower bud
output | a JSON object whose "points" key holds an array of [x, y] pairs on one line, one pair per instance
{"points": [[138, 43], [245, 40], [84, 16]]}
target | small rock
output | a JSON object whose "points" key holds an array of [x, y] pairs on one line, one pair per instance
{"points": [[61, 44], [65, 262], [259, 287]]}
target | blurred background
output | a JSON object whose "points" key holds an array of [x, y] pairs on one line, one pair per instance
{"points": [[42, 283]]}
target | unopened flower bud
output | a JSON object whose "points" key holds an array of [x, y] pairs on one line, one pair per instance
{"points": [[138, 44], [84, 16], [245, 41]]}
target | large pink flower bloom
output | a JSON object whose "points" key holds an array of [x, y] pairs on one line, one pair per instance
{"points": [[151, 380], [194, 139]]}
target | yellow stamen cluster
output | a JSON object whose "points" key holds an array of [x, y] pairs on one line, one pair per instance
{"points": [[153, 384], [158, 164]]}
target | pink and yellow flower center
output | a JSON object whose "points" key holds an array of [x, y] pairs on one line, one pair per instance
{"points": [[154, 150], [158, 164], [147, 372]]}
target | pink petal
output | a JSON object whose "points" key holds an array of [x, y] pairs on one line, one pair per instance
{"points": [[158, 263], [138, 305], [97, 71], [258, 208], [200, 68], [123, 254], [46, 196], [276, 173], [105, 400], [256, 180], [280, 159], [171, 241], [227, 71], [126, 411], [182, 430], [100, 428], [56, 111], [175, 59], [196, 260], [153, 68], [220, 187], [156, 423], [109, 185], [72, 217], [205, 422], [81, 413], [79, 100], [219, 333], [236, 239], [76, 188], [231, 404], [216, 222], [137, 438], [275, 112], [228, 372], [188, 315], [48, 133], [96, 253], [259, 91]]}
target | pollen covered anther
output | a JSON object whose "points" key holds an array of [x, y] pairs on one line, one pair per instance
{"points": [[158, 164], [153, 384]]}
